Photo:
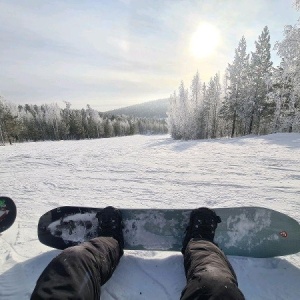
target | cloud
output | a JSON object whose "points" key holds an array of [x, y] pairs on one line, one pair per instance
{"points": [[110, 52]]}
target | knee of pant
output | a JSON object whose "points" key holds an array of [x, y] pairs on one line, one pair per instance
{"points": [[211, 289], [74, 251], [77, 253], [227, 291]]}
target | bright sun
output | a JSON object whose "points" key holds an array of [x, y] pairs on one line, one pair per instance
{"points": [[204, 40]]}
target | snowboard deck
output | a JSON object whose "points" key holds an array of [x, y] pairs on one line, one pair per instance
{"points": [[244, 231], [8, 213]]}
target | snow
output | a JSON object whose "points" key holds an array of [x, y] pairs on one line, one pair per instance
{"points": [[78, 234], [149, 172]]}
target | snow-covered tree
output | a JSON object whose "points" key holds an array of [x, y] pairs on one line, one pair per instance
{"points": [[179, 114], [195, 107], [9, 124], [260, 70], [211, 104], [183, 112], [289, 50], [297, 4], [235, 106], [172, 117], [193, 114], [94, 123]]}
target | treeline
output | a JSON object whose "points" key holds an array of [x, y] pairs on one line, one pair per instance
{"points": [[254, 97], [50, 122]]}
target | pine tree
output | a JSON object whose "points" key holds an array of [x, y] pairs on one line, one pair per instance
{"points": [[183, 112], [297, 4], [108, 128], [76, 125], [235, 105], [260, 70], [211, 101], [289, 50], [9, 124], [196, 103], [172, 119]]}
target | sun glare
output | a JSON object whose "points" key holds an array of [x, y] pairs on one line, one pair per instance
{"points": [[204, 40]]}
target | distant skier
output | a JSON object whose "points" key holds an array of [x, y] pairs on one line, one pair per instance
{"points": [[78, 272]]}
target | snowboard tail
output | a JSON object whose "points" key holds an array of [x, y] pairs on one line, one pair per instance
{"points": [[244, 231]]}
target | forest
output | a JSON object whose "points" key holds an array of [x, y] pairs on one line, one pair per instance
{"points": [[254, 97], [50, 122]]}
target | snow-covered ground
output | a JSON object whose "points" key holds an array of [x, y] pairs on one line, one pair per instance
{"points": [[152, 172]]}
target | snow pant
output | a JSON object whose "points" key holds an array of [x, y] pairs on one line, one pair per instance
{"points": [[78, 272], [209, 274]]}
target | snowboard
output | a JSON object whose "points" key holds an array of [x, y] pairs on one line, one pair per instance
{"points": [[8, 213], [244, 231]]}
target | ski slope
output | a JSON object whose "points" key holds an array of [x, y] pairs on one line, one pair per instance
{"points": [[149, 172]]}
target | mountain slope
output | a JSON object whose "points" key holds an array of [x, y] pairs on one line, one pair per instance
{"points": [[149, 172], [150, 109]]}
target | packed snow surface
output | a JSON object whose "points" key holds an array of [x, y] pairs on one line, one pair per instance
{"points": [[149, 172]]}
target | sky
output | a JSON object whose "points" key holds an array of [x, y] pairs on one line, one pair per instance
{"points": [[116, 53]]}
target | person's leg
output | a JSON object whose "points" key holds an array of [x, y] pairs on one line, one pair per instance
{"points": [[209, 274], [79, 271]]}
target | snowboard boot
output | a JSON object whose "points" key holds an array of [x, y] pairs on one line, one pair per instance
{"points": [[203, 223], [110, 224]]}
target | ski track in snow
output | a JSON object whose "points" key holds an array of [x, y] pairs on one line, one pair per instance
{"points": [[149, 172]]}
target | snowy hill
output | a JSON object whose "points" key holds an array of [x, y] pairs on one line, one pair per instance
{"points": [[149, 171], [151, 109]]}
